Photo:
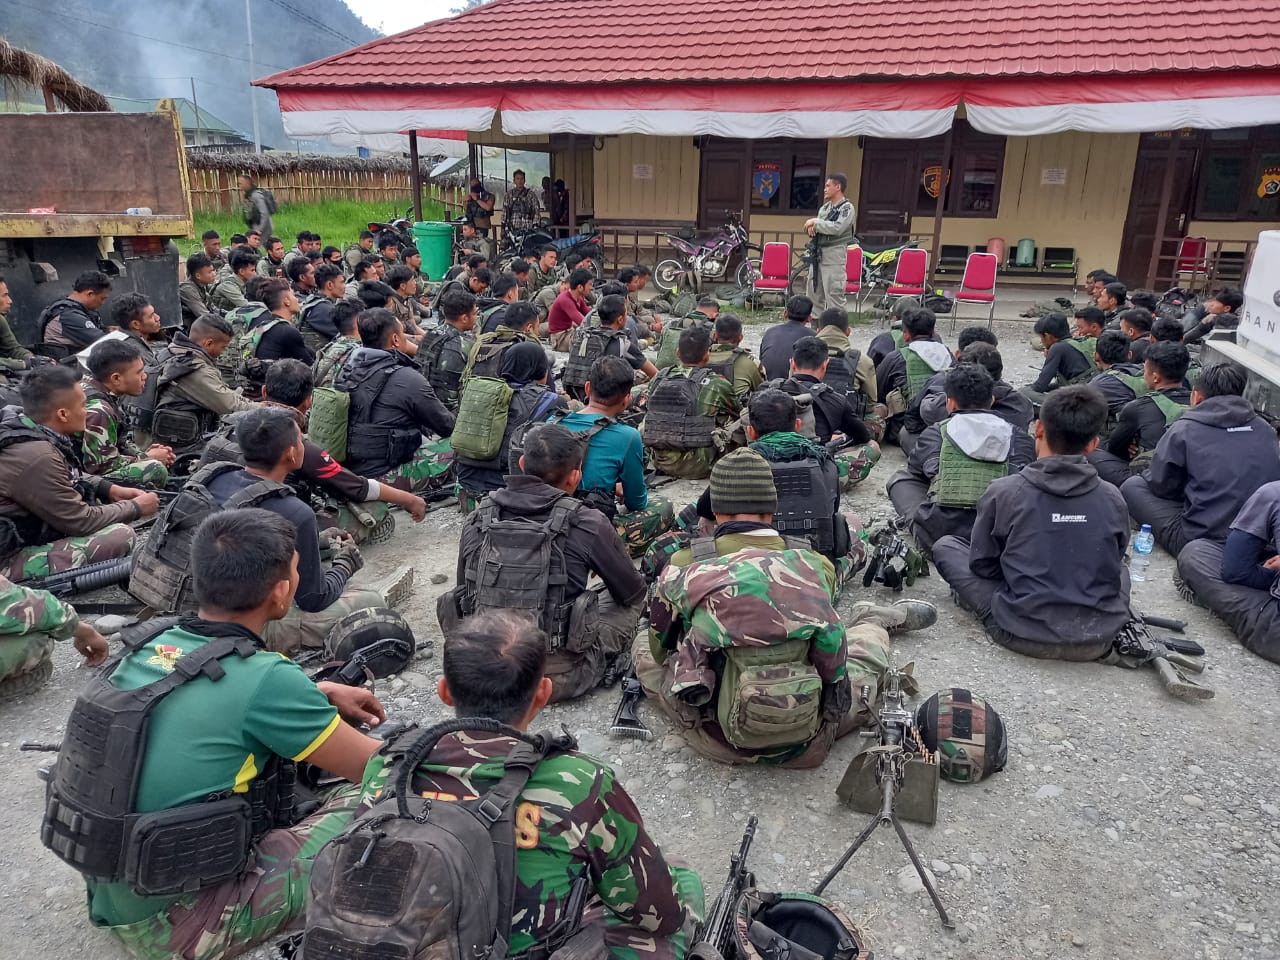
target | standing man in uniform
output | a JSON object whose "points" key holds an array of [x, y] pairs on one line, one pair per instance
{"points": [[832, 231], [520, 205]]}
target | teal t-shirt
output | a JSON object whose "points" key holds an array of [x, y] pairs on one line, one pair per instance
{"points": [[207, 738], [616, 455]]}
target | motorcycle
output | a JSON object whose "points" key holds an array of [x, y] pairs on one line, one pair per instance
{"points": [[528, 244], [727, 255], [878, 265], [400, 227]]}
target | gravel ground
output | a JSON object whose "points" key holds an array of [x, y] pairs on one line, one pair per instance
{"points": [[1127, 824]]}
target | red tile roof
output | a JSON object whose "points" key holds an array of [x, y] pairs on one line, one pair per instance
{"points": [[628, 41]]}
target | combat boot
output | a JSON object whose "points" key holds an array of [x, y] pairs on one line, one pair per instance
{"points": [[902, 617], [395, 588]]}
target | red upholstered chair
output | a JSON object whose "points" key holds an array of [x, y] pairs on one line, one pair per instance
{"points": [[978, 285], [775, 270], [853, 275], [1193, 260], [910, 275]]}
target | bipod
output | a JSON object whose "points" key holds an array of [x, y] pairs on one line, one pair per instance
{"points": [[890, 772]]}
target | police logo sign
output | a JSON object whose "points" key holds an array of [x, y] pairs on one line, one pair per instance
{"points": [[766, 179]]}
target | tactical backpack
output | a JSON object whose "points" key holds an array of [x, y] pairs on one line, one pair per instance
{"points": [[804, 404], [176, 421], [251, 371], [423, 879], [519, 565], [804, 503], [482, 418], [961, 480], [161, 576], [584, 437], [91, 818], [242, 319], [269, 199], [327, 421], [918, 372], [429, 354], [313, 338], [672, 420], [668, 346], [329, 363], [842, 377], [967, 733], [589, 344], [487, 359]]}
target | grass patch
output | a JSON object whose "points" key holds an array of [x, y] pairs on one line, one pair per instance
{"points": [[338, 222]]}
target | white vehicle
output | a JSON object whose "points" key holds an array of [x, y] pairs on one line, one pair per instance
{"points": [[1257, 345]]}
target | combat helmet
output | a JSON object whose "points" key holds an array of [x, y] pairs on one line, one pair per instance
{"points": [[773, 926], [967, 733]]}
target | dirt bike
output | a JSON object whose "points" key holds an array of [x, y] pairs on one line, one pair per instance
{"points": [[527, 244], [726, 256], [878, 265], [400, 227]]}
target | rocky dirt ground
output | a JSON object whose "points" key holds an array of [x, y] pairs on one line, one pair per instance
{"points": [[1127, 824]]}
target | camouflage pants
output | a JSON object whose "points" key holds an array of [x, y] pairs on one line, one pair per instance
{"points": [[150, 473], [639, 528], [855, 463], [868, 660], [299, 629], [874, 420], [23, 653], [109, 543], [573, 674], [430, 469], [687, 526], [345, 519], [264, 902]]}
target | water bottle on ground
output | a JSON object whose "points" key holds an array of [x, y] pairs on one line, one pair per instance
{"points": [[1140, 559]]}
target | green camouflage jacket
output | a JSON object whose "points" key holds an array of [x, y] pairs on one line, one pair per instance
{"points": [[330, 360], [572, 820], [24, 611], [105, 446]]}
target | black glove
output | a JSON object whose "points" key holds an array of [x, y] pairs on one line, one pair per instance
{"points": [[346, 556]]}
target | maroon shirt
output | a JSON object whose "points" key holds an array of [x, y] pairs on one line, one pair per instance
{"points": [[566, 312]]}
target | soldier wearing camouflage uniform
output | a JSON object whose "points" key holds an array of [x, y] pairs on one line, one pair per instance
{"points": [[766, 607], [574, 821], [30, 622], [228, 292], [268, 711], [542, 272], [444, 351], [333, 358], [106, 448], [54, 528]]}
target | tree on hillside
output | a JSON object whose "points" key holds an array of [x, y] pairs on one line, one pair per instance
{"points": [[467, 5]]}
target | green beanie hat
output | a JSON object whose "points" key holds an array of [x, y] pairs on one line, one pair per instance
{"points": [[743, 483]]}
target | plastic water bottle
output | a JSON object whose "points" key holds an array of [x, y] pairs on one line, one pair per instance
{"points": [[138, 212], [1140, 560]]}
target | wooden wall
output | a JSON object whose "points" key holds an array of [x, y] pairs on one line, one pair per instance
{"points": [[670, 194]]}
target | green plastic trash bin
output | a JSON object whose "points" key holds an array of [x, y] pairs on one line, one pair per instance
{"points": [[1025, 257], [435, 243]]}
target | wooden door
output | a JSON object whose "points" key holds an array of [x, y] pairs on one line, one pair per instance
{"points": [[1154, 154], [888, 192], [724, 185]]}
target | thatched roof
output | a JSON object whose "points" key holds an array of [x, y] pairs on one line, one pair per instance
{"points": [[260, 164], [19, 66]]}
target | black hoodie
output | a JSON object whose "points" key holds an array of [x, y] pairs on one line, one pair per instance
{"points": [[1212, 459], [1055, 534], [1142, 422]]}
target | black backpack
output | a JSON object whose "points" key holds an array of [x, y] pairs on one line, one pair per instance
{"points": [[671, 420], [842, 377], [589, 344]]}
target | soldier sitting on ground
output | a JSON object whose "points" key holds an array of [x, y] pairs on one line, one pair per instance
{"points": [[30, 622], [733, 361], [1120, 381], [72, 322], [1135, 324], [228, 292], [533, 546], [1067, 359], [954, 462], [134, 315], [315, 318], [356, 252], [107, 450], [392, 407], [688, 409], [746, 652], [268, 716], [776, 344], [1044, 570], [331, 360], [1010, 406], [47, 524], [933, 396], [505, 288], [191, 396], [584, 828], [1143, 420], [1240, 580], [608, 337], [542, 272], [703, 315], [906, 370], [851, 371], [445, 349], [519, 324]]}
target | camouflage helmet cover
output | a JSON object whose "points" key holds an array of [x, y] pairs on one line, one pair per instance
{"points": [[967, 733], [771, 925]]}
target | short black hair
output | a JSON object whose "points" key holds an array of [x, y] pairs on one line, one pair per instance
{"points": [[397, 275], [809, 353], [197, 262], [476, 260], [388, 240], [238, 556], [693, 345], [374, 293], [211, 325], [272, 241], [328, 252], [1219, 380], [1166, 329], [1092, 315], [551, 453], [611, 308], [833, 317], [298, 266], [272, 293], [254, 286], [361, 269], [1144, 299], [345, 314], [642, 270], [43, 387], [986, 355], [919, 322], [1112, 347], [484, 275], [288, 381], [772, 411], [91, 280], [1073, 416], [366, 234], [969, 386], [1117, 290], [210, 235], [327, 273], [456, 303], [976, 335], [610, 378], [110, 356], [242, 257], [841, 179], [580, 277], [520, 314], [1230, 297], [728, 328], [627, 274], [377, 325], [1054, 324], [520, 172], [264, 434], [493, 663], [612, 288], [1170, 360], [799, 308], [548, 248], [128, 308], [237, 238], [302, 236], [1097, 274], [519, 267], [1139, 318], [502, 284]]}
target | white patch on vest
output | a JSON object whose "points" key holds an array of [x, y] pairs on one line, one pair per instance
{"points": [[1245, 429], [1070, 518]]}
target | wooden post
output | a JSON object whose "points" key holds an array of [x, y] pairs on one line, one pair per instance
{"points": [[1162, 218], [943, 180], [415, 176], [50, 106], [569, 181]]}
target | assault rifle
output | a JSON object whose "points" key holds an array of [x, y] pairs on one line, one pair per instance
{"points": [[626, 719], [713, 938], [1172, 657], [900, 743], [895, 561], [92, 576]]}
